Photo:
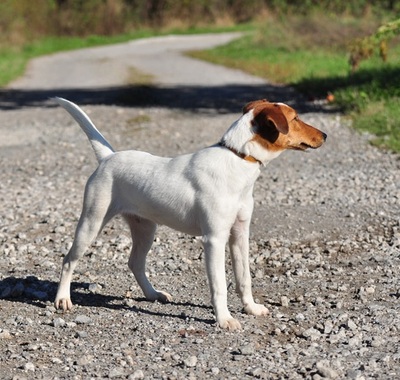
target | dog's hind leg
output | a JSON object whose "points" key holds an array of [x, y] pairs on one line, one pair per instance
{"points": [[143, 231], [95, 215]]}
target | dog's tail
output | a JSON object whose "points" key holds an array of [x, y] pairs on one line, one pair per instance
{"points": [[100, 145]]}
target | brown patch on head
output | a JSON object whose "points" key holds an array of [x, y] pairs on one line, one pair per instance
{"points": [[278, 127], [271, 113], [254, 104]]}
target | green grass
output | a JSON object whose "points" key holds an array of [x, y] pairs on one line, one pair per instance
{"points": [[274, 62], [370, 96], [381, 118]]}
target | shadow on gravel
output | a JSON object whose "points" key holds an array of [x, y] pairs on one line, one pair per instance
{"points": [[181, 315], [33, 291], [221, 99]]}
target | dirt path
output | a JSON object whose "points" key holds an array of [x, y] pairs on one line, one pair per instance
{"points": [[325, 233], [121, 74], [111, 65]]}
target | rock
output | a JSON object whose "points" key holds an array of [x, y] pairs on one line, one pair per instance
{"points": [[5, 334], [190, 361], [370, 289], [325, 370], [138, 374], [257, 372], [351, 325], [215, 371], [84, 360], [94, 288], [83, 320], [116, 372], [328, 326], [284, 301], [58, 322], [32, 347], [377, 341], [355, 341], [247, 349], [81, 334], [29, 367], [312, 334]]}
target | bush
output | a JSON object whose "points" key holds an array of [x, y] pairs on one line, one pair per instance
{"points": [[24, 20]]}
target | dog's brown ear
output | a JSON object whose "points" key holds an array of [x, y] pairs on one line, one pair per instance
{"points": [[254, 104], [277, 117], [272, 113]]}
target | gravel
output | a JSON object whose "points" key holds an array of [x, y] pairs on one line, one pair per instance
{"points": [[325, 258]]}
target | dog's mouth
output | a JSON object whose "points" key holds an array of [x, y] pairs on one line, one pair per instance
{"points": [[303, 147], [314, 143]]}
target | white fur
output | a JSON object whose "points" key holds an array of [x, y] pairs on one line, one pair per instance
{"points": [[207, 193], [239, 133], [240, 138], [100, 145]]}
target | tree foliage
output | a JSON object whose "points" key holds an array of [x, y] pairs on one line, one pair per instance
{"points": [[21, 20]]}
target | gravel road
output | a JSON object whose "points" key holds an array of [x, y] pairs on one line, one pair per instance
{"points": [[325, 239]]}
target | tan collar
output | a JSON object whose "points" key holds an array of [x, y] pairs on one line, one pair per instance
{"points": [[240, 154]]}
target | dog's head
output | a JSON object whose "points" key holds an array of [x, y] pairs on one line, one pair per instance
{"points": [[277, 127], [267, 129]]}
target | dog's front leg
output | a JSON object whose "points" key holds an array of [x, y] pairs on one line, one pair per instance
{"points": [[239, 249], [214, 249]]}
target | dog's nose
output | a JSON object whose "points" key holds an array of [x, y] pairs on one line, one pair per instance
{"points": [[324, 135]]}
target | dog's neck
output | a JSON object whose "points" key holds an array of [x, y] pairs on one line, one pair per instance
{"points": [[238, 135], [239, 138], [240, 154]]}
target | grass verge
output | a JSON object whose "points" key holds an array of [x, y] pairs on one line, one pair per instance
{"points": [[371, 97]]}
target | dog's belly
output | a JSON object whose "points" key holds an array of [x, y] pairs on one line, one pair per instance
{"points": [[168, 205], [187, 226]]}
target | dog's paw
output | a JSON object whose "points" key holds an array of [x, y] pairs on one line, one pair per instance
{"points": [[63, 304], [163, 297], [256, 309], [230, 324], [159, 296]]}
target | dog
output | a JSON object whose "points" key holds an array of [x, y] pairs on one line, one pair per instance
{"points": [[208, 193]]}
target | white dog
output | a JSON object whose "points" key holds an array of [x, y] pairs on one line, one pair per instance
{"points": [[207, 193]]}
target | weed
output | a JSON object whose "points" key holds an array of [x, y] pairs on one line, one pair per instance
{"points": [[139, 78], [139, 119]]}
